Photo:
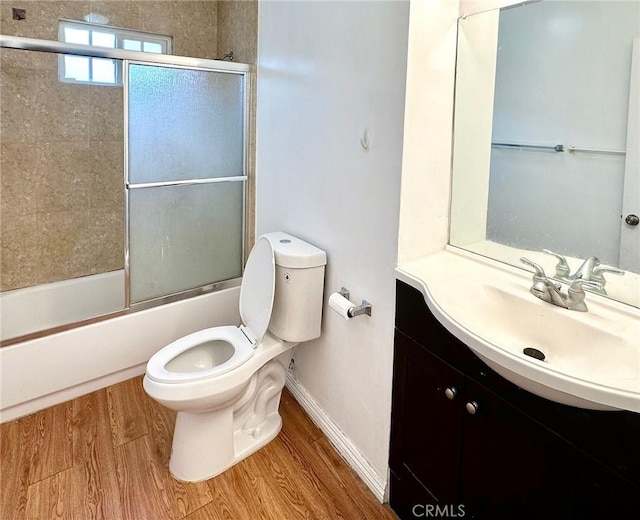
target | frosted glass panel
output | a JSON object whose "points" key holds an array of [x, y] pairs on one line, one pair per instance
{"points": [[184, 124], [183, 237]]}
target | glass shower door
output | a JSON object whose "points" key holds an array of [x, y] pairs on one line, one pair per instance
{"points": [[185, 178]]}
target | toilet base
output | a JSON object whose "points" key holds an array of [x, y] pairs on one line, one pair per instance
{"points": [[206, 444], [188, 465], [246, 443]]}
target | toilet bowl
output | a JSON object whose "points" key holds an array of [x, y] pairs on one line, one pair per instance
{"points": [[226, 382]]}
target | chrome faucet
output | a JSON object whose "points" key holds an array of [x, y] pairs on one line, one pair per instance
{"points": [[550, 291], [591, 272], [586, 269]]}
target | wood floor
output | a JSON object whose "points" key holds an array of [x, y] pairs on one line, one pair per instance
{"points": [[105, 455]]}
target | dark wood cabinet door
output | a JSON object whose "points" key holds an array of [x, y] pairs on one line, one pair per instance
{"points": [[513, 467], [603, 493], [407, 496], [428, 443]]}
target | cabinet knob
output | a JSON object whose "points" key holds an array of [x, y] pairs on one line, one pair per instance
{"points": [[450, 392], [472, 407]]}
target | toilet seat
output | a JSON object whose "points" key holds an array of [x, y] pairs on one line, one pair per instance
{"points": [[257, 290], [157, 366], [256, 303]]}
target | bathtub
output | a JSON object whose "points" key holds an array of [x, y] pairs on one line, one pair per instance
{"points": [[32, 309], [42, 372]]}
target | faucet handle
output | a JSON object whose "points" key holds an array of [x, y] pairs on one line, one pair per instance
{"points": [[575, 296], [539, 271], [577, 286], [597, 275], [562, 267]]}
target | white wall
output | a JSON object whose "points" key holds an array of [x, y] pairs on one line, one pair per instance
{"points": [[469, 7], [426, 166], [326, 72]]}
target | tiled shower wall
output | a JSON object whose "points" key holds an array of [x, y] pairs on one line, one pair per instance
{"points": [[237, 29], [61, 198], [238, 32]]}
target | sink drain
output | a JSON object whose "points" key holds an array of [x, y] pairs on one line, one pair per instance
{"points": [[534, 353]]}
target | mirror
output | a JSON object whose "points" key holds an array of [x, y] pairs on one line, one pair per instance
{"points": [[547, 141]]}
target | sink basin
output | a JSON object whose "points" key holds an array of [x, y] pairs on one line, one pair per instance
{"points": [[591, 359]]}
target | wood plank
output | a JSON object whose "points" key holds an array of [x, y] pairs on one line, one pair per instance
{"points": [[147, 490], [226, 490], [301, 434], [74, 494], [94, 492], [322, 467], [207, 513], [324, 500], [127, 411], [294, 480], [94, 472], [15, 457], [252, 487], [162, 422], [51, 498], [339, 471], [276, 495], [294, 417], [321, 476], [51, 442]]}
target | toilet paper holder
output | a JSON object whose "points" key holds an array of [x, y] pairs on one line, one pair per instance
{"points": [[363, 308]]}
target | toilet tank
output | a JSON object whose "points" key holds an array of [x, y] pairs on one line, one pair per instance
{"points": [[299, 286]]}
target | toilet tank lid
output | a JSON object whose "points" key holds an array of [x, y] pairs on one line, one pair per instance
{"points": [[292, 252]]}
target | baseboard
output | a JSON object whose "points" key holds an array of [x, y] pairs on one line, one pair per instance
{"points": [[338, 439]]}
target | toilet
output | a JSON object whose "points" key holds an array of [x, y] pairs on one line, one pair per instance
{"points": [[225, 382]]}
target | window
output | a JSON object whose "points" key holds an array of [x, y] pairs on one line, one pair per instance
{"points": [[103, 71]]}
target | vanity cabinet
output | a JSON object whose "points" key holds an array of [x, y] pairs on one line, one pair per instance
{"points": [[474, 445]]}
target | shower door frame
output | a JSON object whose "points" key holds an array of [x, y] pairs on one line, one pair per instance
{"points": [[166, 60]]}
